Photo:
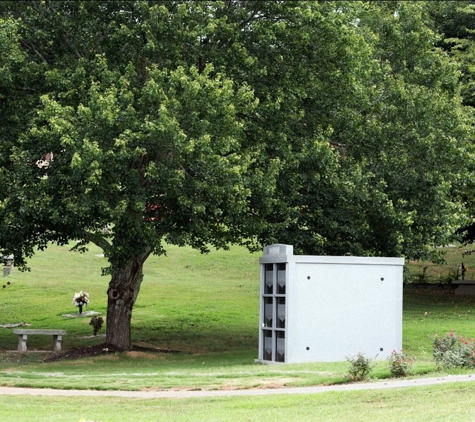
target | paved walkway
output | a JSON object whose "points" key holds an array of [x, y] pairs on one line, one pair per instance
{"points": [[250, 392]]}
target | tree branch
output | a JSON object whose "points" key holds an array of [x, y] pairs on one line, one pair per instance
{"points": [[74, 49], [98, 240], [32, 47]]}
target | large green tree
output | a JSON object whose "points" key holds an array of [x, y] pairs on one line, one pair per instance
{"points": [[455, 21], [334, 126], [390, 107]]}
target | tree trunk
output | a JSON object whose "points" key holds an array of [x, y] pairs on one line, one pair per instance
{"points": [[123, 291]]}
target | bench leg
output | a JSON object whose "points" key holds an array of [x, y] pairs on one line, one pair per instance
{"points": [[57, 343], [22, 342]]}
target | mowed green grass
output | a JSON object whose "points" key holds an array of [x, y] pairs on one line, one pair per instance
{"points": [[200, 313], [188, 302], [442, 403]]}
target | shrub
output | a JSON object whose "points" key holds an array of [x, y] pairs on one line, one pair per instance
{"points": [[360, 367], [96, 323], [399, 364], [452, 351]]}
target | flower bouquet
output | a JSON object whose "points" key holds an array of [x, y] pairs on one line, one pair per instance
{"points": [[81, 299]]}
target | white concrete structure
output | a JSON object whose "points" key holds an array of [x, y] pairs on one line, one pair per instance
{"points": [[327, 308]]}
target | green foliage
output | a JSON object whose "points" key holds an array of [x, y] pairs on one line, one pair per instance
{"points": [[155, 131], [451, 351], [360, 367], [422, 277], [455, 23], [397, 128]]}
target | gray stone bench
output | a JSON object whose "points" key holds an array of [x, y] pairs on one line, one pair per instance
{"points": [[24, 333], [464, 287]]}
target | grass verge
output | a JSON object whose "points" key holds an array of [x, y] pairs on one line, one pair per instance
{"points": [[434, 403]]}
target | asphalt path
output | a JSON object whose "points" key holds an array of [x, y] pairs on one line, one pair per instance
{"points": [[181, 394]]}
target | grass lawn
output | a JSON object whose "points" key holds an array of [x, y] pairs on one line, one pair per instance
{"points": [[202, 310], [453, 402]]}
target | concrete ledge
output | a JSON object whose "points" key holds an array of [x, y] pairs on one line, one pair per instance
{"points": [[30, 331], [83, 315], [431, 286], [464, 287]]}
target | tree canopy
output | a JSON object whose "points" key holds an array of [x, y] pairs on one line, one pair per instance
{"points": [[335, 126], [456, 24]]}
